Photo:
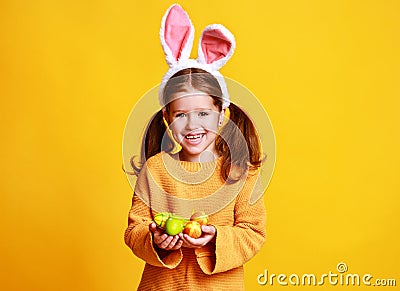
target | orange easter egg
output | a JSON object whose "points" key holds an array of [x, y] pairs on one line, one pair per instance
{"points": [[193, 229], [199, 217]]}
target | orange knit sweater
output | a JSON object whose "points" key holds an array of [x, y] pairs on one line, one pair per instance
{"points": [[179, 187]]}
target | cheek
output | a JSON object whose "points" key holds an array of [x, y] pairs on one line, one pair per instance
{"points": [[176, 126], [212, 122]]}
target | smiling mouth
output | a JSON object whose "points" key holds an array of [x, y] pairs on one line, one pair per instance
{"points": [[194, 136]]}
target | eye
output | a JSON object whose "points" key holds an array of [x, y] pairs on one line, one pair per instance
{"points": [[180, 115], [203, 114]]}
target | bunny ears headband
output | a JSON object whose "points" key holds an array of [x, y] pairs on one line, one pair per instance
{"points": [[216, 47]]}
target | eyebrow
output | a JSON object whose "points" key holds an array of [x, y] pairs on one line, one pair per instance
{"points": [[195, 109]]}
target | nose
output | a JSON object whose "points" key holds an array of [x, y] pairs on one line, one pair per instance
{"points": [[192, 121]]}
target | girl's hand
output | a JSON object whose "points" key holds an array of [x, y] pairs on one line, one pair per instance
{"points": [[208, 234], [163, 240]]}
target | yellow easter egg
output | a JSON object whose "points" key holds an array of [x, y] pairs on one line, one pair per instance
{"points": [[161, 219]]}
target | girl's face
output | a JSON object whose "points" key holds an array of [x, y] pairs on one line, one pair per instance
{"points": [[193, 121]]}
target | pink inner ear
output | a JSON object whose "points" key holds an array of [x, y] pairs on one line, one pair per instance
{"points": [[177, 30], [215, 45]]}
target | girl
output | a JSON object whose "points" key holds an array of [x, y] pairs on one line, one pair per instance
{"points": [[215, 171]]}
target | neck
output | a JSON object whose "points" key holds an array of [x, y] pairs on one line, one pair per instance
{"points": [[206, 156]]}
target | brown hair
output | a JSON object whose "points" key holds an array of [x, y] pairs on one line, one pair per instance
{"points": [[238, 142]]}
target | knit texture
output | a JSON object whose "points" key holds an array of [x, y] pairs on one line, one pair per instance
{"points": [[179, 187]]}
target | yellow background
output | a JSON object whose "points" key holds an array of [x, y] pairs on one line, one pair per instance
{"points": [[70, 72]]}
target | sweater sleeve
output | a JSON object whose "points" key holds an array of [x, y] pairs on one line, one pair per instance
{"points": [[139, 238], [237, 244]]}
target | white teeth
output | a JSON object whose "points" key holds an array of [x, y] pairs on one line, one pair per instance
{"points": [[193, 136]]}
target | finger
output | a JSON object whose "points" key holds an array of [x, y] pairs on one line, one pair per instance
{"points": [[210, 229], [178, 245], [158, 239], [157, 232], [193, 242], [186, 244], [172, 243], [154, 229], [158, 235], [166, 242], [190, 240], [152, 226]]}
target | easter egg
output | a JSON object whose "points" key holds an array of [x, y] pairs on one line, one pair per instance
{"points": [[199, 217], [161, 219], [193, 229], [174, 226]]}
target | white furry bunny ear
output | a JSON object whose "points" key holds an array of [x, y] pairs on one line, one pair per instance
{"points": [[176, 35], [216, 46]]}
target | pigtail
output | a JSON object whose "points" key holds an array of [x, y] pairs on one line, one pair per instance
{"points": [[244, 150], [155, 140]]}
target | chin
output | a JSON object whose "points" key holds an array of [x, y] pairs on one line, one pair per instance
{"points": [[191, 152]]}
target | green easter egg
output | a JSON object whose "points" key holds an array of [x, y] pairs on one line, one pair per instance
{"points": [[174, 226]]}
